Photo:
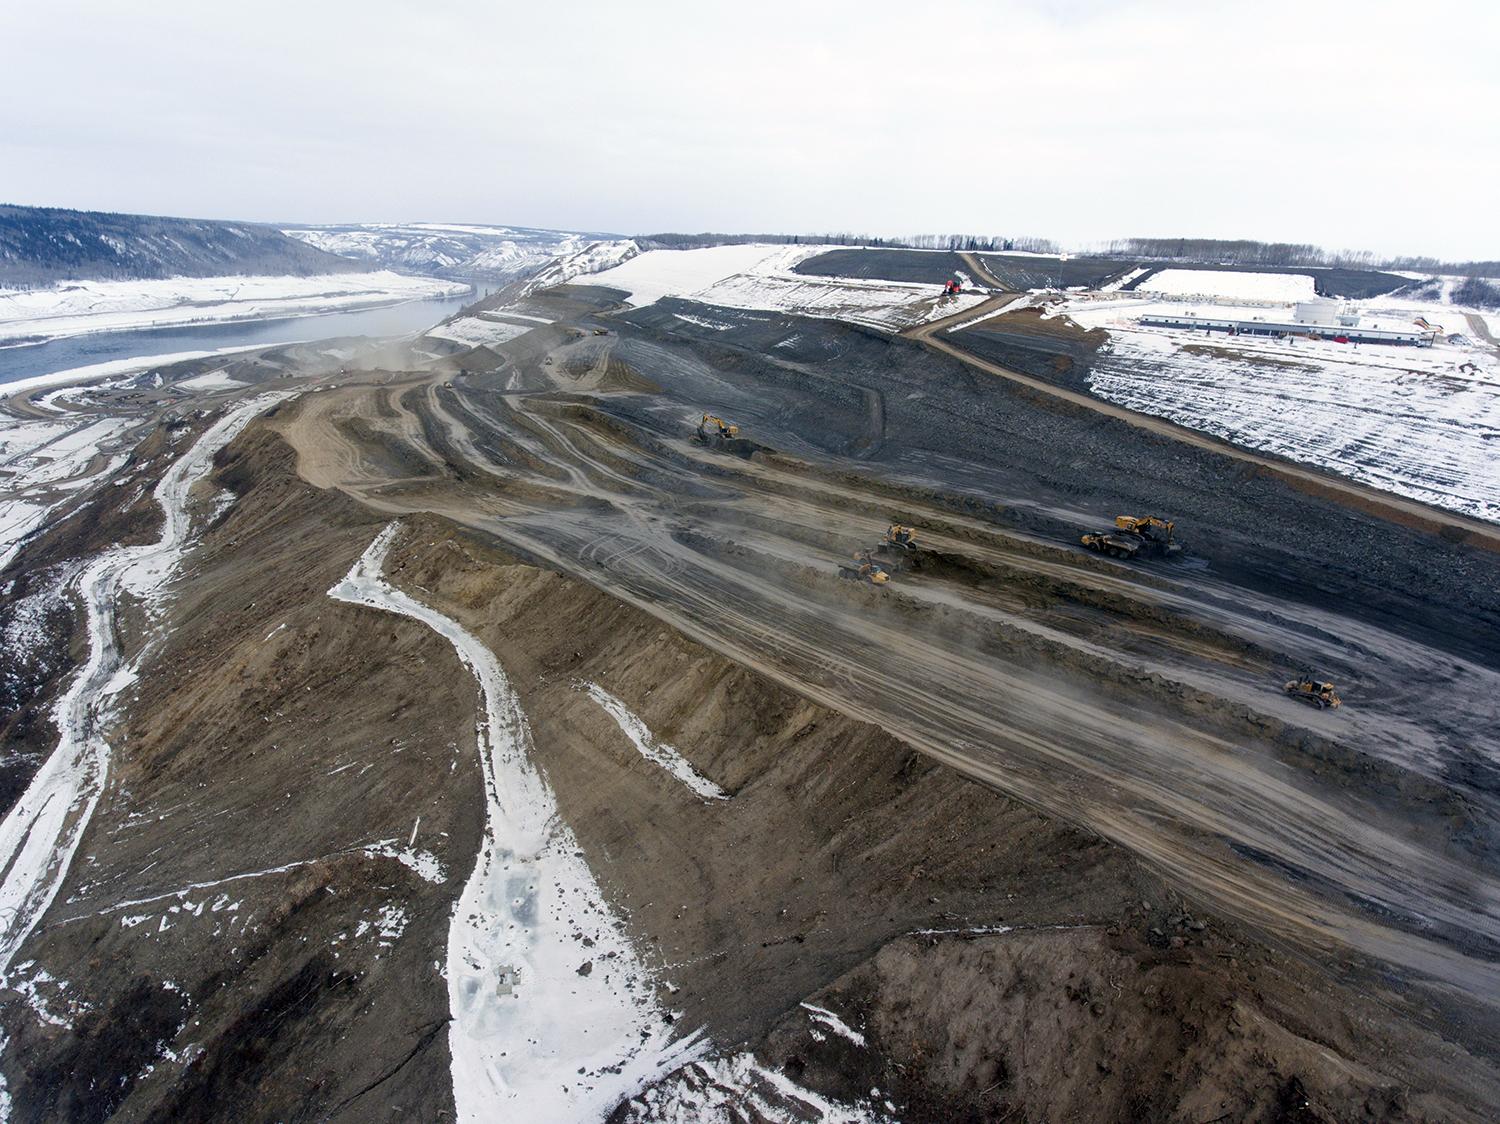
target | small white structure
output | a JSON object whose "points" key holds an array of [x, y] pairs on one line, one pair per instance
{"points": [[1324, 311]]}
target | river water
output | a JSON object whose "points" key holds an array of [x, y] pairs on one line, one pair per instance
{"points": [[27, 361]]}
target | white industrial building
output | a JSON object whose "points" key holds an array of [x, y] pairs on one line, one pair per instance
{"points": [[1317, 320]]}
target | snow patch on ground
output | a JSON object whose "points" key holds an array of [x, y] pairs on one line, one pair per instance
{"points": [[1120, 282], [423, 864], [763, 278], [214, 380], [593, 258], [657, 752], [1279, 287], [41, 462], [737, 1087], [674, 273], [827, 1018], [555, 1016], [388, 926], [704, 322], [478, 331]]}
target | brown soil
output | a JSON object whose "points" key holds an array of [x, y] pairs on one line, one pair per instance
{"points": [[280, 732]]}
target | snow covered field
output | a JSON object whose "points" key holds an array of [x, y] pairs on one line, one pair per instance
{"points": [[76, 308], [477, 331], [678, 273], [761, 278], [592, 258], [1420, 422], [1280, 287]]}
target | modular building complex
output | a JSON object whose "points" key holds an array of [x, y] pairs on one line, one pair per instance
{"points": [[1318, 320]]}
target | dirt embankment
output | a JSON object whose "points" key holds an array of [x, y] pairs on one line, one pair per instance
{"points": [[848, 872], [1053, 349], [239, 934]]}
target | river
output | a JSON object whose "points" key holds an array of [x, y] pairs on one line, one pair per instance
{"points": [[30, 360]]}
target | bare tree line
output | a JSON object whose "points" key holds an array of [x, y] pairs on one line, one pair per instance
{"points": [[988, 243], [1220, 251]]}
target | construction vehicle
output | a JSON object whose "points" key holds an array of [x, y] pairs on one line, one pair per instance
{"points": [[1114, 544], [952, 288], [899, 536], [864, 569], [1314, 692], [1155, 533], [714, 429]]}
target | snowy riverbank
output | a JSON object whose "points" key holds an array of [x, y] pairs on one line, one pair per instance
{"points": [[75, 308]]}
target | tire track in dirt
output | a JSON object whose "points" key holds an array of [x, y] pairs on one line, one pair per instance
{"points": [[1223, 815]]}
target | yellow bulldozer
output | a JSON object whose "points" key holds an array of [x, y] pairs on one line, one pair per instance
{"points": [[714, 428], [1314, 693]]}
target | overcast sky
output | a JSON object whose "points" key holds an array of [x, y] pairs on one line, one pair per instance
{"points": [[1361, 125]]}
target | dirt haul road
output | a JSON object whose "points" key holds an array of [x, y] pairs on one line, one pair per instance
{"points": [[1141, 702]]}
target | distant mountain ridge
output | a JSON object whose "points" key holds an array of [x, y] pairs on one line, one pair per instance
{"points": [[44, 245], [453, 250]]}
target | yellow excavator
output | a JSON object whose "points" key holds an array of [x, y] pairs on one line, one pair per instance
{"points": [[713, 428], [1156, 532], [1314, 693], [1135, 534], [902, 537]]}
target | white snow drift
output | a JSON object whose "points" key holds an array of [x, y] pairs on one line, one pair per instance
{"points": [[555, 1017], [657, 752]]}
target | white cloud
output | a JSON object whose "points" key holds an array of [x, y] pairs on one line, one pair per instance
{"points": [[1363, 125]]}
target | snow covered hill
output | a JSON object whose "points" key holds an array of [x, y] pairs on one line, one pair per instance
{"points": [[487, 253], [43, 245], [764, 277]]}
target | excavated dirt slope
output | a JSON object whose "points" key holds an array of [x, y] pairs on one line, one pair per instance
{"points": [[1026, 834], [235, 937]]}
